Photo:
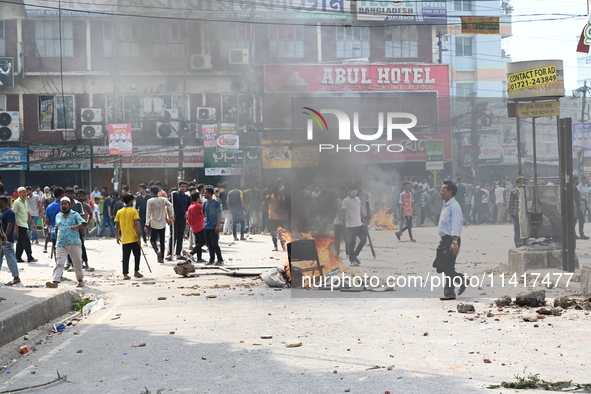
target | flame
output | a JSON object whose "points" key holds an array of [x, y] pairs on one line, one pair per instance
{"points": [[324, 247], [383, 219]]}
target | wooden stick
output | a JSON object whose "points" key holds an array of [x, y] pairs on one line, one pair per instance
{"points": [[64, 378], [145, 258]]}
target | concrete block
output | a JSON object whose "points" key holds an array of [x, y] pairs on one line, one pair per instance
{"points": [[534, 257], [586, 279], [34, 313]]}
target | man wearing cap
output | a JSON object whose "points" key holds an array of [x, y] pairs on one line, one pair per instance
{"points": [[20, 206], [68, 224]]}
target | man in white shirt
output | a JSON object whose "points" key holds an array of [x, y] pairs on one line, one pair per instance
{"points": [[352, 216], [159, 213], [500, 202], [450, 229], [95, 193]]}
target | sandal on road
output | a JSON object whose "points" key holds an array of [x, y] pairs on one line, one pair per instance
{"points": [[13, 282], [51, 285], [80, 284]]}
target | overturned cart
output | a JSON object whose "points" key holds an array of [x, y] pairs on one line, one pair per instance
{"points": [[189, 268]]}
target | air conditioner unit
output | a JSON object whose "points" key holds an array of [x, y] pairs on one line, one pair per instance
{"points": [[238, 56], [91, 115], [206, 114], [9, 126], [167, 130], [171, 113], [92, 131], [200, 62]]}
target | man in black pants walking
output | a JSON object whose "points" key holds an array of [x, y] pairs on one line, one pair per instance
{"points": [[212, 210], [157, 209], [180, 203], [140, 204], [450, 229]]}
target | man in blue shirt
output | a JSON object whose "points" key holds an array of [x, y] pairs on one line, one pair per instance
{"points": [[68, 224], [450, 229], [212, 210], [7, 236], [50, 214]]}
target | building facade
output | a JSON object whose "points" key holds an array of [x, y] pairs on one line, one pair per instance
{"points": [[184, 75]]}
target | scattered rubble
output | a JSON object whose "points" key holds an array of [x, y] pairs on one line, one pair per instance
{"points": [[503, 301], [465, 308], [534, 299]]}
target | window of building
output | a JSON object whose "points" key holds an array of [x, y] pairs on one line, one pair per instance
{"points": [[169, 39], [402, 41], [2, 41], [352, 42], [236, 36], [129, 35], [462, 5], [2, 103], [47, 38], [238, 108], [286, 41], [56, 112], [464, 46], [131, 108], [464, 89]]}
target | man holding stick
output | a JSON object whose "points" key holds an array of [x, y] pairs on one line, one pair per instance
{"points": [[127, 223]]}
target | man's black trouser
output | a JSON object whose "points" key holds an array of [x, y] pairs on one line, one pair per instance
{"points": [[407, 225], [137, 254], [157, 233], [445, 261], [199, 243], [354, 232], [212, 240], [179, 234], [23, 243]]}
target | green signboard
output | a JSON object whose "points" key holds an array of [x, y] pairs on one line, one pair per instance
{"points": [[434, 154]]}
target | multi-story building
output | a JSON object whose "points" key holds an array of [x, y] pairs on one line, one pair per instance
{"points": [[477, 62], [184, 74]]}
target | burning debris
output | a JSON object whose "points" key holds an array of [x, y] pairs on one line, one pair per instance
{"points": [[383, 219]]}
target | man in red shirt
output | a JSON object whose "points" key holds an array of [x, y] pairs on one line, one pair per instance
{"points": [[196, 221], [406, 211]]}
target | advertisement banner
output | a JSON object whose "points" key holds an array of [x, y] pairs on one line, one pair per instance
{"points": [[290, 157], [538, 109], [228, 138], [338, 78], [535, 78], [581, 137], [210, 135], [400, 11], [509, 154], [13, 159], [6, 72], [150, 157], [480, 25], [62, 158], [120, 139], [434, 155]]}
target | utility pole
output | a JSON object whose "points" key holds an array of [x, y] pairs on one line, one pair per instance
{"points": [[474, 137], [440, 47], [116, 82], [581, 155]]}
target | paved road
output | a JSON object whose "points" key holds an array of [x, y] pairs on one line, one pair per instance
{"points": [[196, 344]]}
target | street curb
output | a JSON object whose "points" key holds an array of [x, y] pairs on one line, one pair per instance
{"points": [[35, 313]]}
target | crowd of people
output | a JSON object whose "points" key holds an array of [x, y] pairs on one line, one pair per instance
{"points": [[165, 218]]}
